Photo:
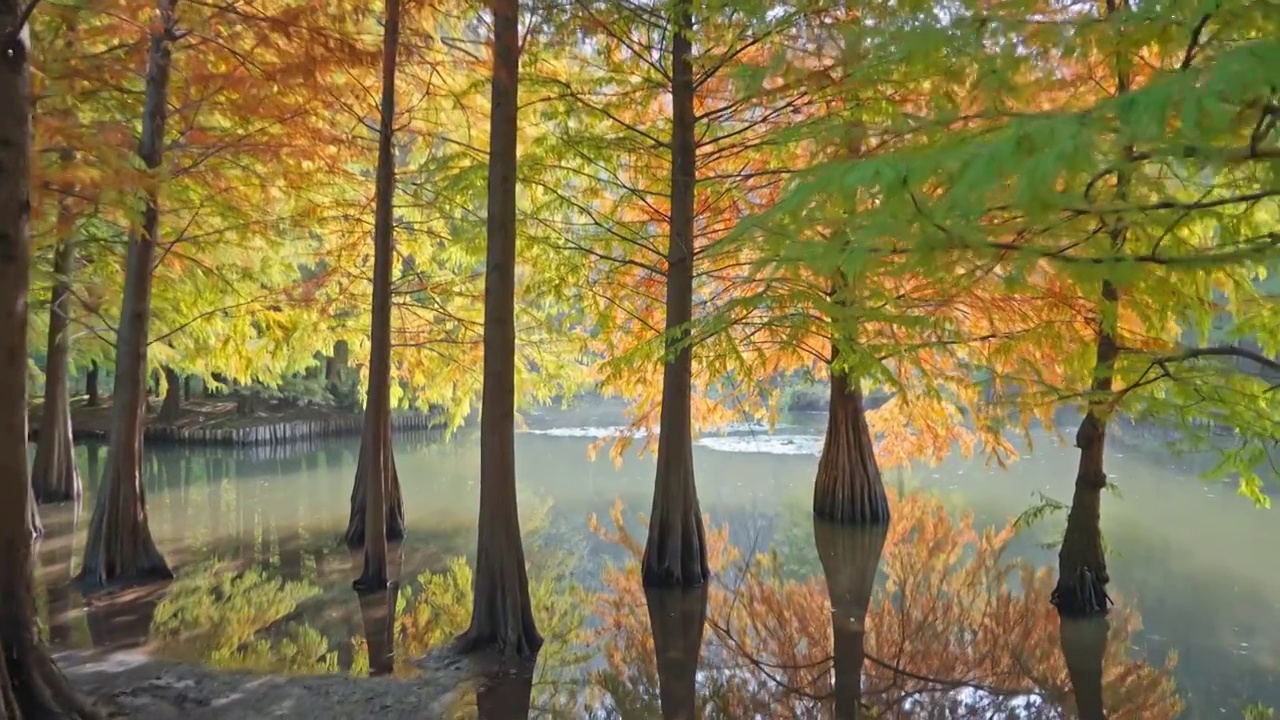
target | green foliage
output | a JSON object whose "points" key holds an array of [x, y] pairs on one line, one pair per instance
{"points": [[240, 620]]}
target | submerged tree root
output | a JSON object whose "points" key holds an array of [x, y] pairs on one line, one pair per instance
{"points": [[1083, 595]]}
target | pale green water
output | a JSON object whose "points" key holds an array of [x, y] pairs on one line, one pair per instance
{"points": [[1195, 561]]}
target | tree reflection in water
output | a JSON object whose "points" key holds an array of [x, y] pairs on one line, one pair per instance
{"points": [[927, 618], [954, 629]]}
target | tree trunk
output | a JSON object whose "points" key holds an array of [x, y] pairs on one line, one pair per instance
{"points": [[93, 398], [377, 413], [30, 684], [54, 476], [677, 618], [171, 408], [675, 554], [501, 613], [394, 499], [119, 547], [848, 488], [33, 514], [850, 560], [186, 388], [1082, 567], [377, 612], [1084, 642]]}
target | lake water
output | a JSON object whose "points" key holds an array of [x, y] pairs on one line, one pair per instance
{"points": [[958, 626]]}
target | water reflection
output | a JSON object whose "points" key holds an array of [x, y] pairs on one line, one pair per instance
{"points": [[949, 620]]}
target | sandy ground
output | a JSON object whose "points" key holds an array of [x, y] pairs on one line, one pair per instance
{"points": [[134, 685]]}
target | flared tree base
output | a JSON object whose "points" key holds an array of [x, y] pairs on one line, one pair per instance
{"points": [[354, 536], [1083, 594], [32, 687], [520, 640], [675, 555], [852, 501], [94, 580]]}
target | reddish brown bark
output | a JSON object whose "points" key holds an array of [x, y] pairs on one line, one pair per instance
{"points": [[501, 614], [848, 488], [30, 684], [850, 560], [677, 618], [119, 546], [675, 553], [376, 452], [54, 476]]}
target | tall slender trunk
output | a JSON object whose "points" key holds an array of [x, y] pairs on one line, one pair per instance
{"points": [[119, 546], [30, 684], [850, 560], [675, 554], [54, 476], [848, 488], [1084, 643], [1082, 565], [501, 613], [677, 618], [93, 397], [377, 412], [171, 407]]}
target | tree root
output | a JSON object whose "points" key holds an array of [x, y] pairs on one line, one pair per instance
{"points": [[1085, 595]]}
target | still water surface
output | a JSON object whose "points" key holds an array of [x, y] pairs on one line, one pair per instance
{"points": [[958, 625]]}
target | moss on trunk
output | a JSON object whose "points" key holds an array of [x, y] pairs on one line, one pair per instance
{"points": [[848, 488]]}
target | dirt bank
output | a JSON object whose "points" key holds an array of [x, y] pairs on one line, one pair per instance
{"points": [[131, 684]]}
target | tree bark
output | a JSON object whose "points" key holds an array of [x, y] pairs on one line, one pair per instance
{"points": [[377, 451], [1082, 567], [186, 388], [171, 407], [30, 684], [501, 613], [675, 553], [848, 488], [677, 618], [119, 547], [850, 560], [1084, 642], [394, 499], [91, 390], [54, 476]]}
